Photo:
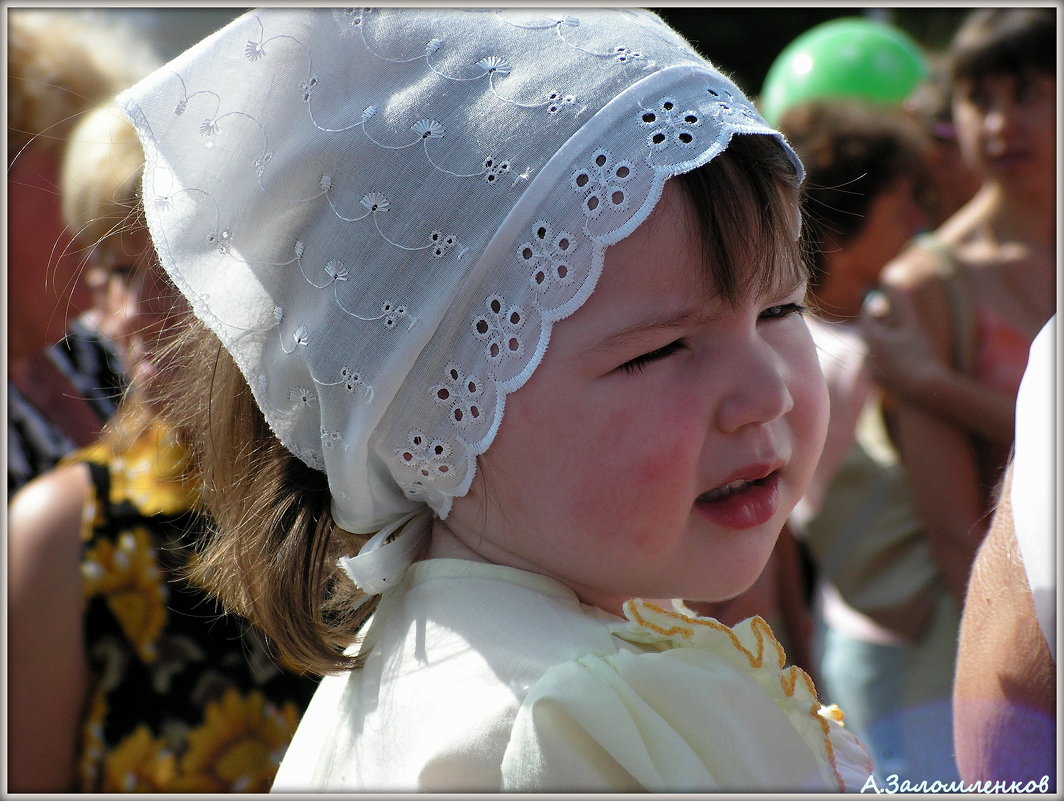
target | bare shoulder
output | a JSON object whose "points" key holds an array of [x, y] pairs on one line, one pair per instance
{"points": [[999, 620], [1004, 694], [44, 517], [47, 684], [915, 267], [920, 264], [917, 275], [915, 281]]}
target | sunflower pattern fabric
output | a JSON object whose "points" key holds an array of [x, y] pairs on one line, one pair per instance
{"points": [[183, 698]]}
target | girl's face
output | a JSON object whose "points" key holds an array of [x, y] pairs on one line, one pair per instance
{"points": [[43, 280], [660, 446], [893, 218], [1006, 127], [135, 303]]}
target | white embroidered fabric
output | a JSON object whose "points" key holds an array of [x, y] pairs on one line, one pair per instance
{"points": [[381, 213]]}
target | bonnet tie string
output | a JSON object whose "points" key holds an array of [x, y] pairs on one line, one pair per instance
{"points": [[379, 563]]}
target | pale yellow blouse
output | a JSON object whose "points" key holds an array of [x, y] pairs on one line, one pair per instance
{"points": [[487, 678]]}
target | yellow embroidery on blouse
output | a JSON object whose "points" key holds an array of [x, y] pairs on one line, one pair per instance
{"points": [[788, 676]]}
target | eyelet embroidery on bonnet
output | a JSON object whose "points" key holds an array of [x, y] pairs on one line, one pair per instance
{"points": [[669, 126], [331, 191], [548, 256], [461, 394], [602, 183]]}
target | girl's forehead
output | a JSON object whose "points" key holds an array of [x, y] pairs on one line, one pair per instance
{"points": [[669, 254]]}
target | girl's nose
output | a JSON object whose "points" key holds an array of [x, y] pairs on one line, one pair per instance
{"points": [[757, 392], [1000, 118]]}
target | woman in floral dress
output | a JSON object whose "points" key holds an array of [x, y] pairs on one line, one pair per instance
{"points": [[125, 676]]}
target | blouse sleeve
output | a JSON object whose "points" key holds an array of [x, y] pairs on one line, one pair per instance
{"points": [[711, 711]]}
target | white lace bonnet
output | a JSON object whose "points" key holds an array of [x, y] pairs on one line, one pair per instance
{"points": [[381, 213]]}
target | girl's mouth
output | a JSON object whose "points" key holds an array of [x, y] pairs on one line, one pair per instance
{"points": [[1011, 159], [743, 503], [726, 491]]}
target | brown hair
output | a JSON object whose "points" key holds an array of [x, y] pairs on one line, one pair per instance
{"points": [[1004, 41], [744, 201], [273, 555], [852, 152]]}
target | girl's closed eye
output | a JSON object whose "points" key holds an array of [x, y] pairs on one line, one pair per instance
{"points": [[782, 311], [639, 363]]}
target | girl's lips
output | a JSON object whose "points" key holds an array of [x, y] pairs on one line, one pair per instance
{"points": [[744, 506], [1009, 160]]}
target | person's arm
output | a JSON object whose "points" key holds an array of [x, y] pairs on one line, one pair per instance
{"points": [[901, 358], [47, 668], [1004, 697], [943, 479], [939, 456]]}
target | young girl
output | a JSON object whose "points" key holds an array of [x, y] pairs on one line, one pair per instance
{"points": [[385, 216]]}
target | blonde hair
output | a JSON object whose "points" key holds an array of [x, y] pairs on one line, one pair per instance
{"points": [[60, 63], [100, 185]]}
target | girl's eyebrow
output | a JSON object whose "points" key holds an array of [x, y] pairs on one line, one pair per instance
{"points": [[672, 321], [663, 321]]}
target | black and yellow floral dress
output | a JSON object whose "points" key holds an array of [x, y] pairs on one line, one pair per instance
{"points": [[182, 698]]}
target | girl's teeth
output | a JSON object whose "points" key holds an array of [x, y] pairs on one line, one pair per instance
{"points": [[725, 491]]}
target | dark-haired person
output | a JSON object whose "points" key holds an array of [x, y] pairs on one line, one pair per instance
{"points": [[968, 300]]}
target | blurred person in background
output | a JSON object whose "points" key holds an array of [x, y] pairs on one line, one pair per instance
{"points": [[952, 181], [125, 676], [59, 66], [870, 60], [885, 647], [949, 336]]}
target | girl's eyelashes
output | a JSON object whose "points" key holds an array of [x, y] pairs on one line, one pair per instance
{"points": [[781, 311], [638, 364]]}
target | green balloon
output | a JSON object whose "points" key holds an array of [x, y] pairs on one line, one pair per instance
{"points": [[847, 57]]}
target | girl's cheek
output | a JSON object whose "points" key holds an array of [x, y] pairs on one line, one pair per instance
{"points": [[812, 406], [639, 460]]}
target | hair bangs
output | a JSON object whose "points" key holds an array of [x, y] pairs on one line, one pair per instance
{"points": [[745, 204], [1005, 41]]}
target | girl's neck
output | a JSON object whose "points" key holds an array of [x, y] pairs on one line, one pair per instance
{"points": [[445, 545], [1002, 218]]}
